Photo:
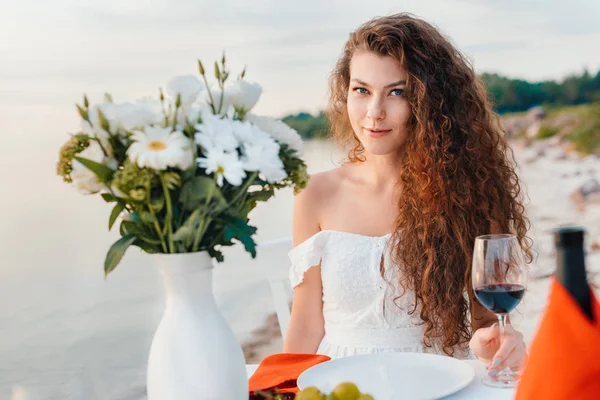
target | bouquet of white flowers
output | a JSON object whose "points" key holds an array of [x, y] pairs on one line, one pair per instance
{"points": [[185, 169]]}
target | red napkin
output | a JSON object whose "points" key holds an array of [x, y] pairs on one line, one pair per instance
{"points": [[282, 370], [564, 362]]}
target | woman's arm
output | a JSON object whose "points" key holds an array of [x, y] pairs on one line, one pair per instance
{"points": [[307, 327]]}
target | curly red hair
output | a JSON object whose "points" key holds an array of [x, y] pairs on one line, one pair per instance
{"points": [[458, 173]]}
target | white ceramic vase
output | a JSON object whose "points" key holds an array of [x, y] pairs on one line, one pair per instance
{"points": [[194, 353]]}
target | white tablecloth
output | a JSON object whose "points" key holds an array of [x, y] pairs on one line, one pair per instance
{"points": [[476, 390]]}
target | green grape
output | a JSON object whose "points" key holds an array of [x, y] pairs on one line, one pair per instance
{"points": [[346, 391], [309, 393], [366, 396]]}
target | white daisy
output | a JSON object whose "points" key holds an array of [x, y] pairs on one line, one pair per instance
{"points": [[215, 133], [248, 133], [224, 164], [159, 148], [265, 160]]}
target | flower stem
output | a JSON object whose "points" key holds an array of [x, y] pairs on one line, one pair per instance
{"points": [[212, 101], [169, 217], [243, 190], [205, 220], [222, 96], [157, 228]]}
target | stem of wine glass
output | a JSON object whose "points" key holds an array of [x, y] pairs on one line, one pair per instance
{"points": [[506, 371], [502, 323]]}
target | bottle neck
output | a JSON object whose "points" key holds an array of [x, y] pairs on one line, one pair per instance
{"points": [[571, 273]]}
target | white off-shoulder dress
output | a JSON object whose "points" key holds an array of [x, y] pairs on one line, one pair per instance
{"points": [[360, 314]]}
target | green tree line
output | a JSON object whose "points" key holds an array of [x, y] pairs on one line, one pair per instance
{"points": [[508, 95]]}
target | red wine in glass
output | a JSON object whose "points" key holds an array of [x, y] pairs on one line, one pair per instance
{"points": [[500, 298], [499, 280]]}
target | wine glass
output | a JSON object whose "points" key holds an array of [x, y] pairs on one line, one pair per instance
{"points": [[499, 281]]}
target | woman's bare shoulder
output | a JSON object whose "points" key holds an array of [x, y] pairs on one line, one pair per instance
{"points": [[324, 184], [310, 203]]}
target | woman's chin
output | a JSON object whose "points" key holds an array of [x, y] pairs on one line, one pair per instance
{"points": [[381, 149]]}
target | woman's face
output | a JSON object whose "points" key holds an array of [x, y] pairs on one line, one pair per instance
{"points": [[377, 109]]}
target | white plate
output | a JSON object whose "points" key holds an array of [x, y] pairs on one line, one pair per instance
{"points": [[391, 376]]}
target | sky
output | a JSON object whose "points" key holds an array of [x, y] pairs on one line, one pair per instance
{"points": [[54, 51]]}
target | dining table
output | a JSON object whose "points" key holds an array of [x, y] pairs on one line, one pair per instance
{"points": [[475, 390]]}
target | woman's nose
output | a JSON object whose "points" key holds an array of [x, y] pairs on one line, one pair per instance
{"points": [[375, 110]]}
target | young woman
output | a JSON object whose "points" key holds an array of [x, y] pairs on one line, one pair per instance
{"points": [[383, 244]]}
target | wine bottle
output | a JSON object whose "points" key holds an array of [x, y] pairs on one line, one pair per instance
{"points": [[570, 266]]}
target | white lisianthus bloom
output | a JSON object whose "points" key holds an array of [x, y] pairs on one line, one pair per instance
{"points": [[99, 133], [86, 181], [159, 148], [215, 133], [132, 116], [279, 130], [187, 86], [224, 165], [124, 116], [264, 158], [216, 94], [192, 114], [155, 106], [245, 94]]}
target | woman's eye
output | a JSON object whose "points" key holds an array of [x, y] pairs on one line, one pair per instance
{"points": [[361, 90], [397, 92]]}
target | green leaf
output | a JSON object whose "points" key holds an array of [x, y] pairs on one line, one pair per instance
{"points": [[103, 120], [194, 192], [157, 203], [102, 171], [108, 197], [183, 234], [134, 217], [186, 232], [239, 229], [151, 241], [116, 211], [116, 253], [251, 201], [216, 254], [172, 180], [147, 247], [82, 112], [147, 217]]}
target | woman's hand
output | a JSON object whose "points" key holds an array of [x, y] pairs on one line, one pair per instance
{"points": [[510, 351]]}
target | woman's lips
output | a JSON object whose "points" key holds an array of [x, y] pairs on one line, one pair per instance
{"points": [[377, 133]]}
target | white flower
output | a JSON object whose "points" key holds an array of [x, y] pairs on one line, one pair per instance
{"points": [[265, 159], [216, 94], [125, 116], [132, 116], [279, 130], [85, 180], [192, 113], [109, 110], [215, 133], [245, 94], [159, 148], [251, 134], [187, 86], [98, 133], [224, 164]]}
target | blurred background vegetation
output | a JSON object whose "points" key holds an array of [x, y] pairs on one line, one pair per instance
{"points": [[571, 108]]}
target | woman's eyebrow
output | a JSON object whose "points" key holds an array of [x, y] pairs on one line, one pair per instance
{"points": [[398, 83]]}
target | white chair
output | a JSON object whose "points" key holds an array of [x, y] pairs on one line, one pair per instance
{"points": [[272, 256]]}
